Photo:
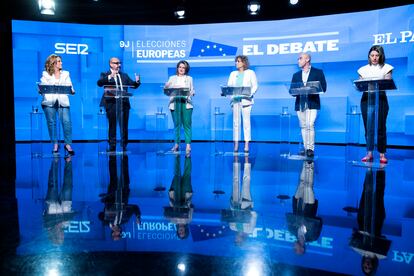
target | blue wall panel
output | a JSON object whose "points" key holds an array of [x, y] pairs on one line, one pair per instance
{"points": [[338, 44]]}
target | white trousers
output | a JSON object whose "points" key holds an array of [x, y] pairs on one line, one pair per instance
{"points": [[242, 198], [305, 187], [245, 113], [307, 125]]}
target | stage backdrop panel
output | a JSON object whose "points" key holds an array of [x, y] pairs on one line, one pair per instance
{"points": [[338, 44]]}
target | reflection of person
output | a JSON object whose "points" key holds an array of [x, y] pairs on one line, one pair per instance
{"points": [[303, 222], [57, 103], [114, 77], [181, 108], [376, 68], [58, 211], [307, 106], [242, 77], [241, 216], [117, 211], [180, 194], [368, 240]]}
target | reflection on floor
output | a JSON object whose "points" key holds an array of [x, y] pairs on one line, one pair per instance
{"points": [[223, 214]]}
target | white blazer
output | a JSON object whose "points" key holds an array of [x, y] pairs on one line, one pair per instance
{"points": [[375, 71], [249, 80], [188, 83], [50, 99]]}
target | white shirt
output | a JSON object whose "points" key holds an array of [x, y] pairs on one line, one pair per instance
{"points": [[375, 71], [305, 75]]}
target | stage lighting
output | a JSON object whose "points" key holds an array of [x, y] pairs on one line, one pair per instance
{"points": [[180, 13], [253, 7], [293, 2], [47, 7]]}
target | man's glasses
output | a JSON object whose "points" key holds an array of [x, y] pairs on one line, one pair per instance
{"points": [[117, 63]]}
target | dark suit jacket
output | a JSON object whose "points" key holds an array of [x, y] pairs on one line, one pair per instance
{"points": [[312, 101], [304, 216], [126, 80]]}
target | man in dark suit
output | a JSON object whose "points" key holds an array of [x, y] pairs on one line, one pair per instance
{"points": [[117, 210], [306, 106], [119, 81], [303, 222]]}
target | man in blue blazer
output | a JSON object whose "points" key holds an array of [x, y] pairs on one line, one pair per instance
{"points": [[119, 80], [306, 106]]}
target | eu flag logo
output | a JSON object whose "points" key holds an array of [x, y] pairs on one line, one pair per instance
{"points": [[207, 232], [204, 48]]}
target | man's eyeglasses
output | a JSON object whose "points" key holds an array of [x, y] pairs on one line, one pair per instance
{"points": [[117, 63]]}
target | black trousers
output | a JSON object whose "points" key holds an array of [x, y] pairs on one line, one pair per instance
{"points": [[120, 114], [367, 108]]}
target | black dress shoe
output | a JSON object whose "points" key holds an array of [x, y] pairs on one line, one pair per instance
{"points": [[310, 153]]}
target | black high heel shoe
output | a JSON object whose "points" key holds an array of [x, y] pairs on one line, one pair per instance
{"points": [[55, 152], [69, 152]]}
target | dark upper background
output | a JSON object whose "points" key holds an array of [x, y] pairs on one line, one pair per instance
{"points": [[198, 11]]}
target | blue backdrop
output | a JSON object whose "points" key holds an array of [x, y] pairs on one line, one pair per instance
{"points": [[338, 44]]}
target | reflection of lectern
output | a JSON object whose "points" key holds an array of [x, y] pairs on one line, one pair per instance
{"points": [[177, 92], [299, 89], [119, 95], [180, 95], [111, 91], [177, 214], [304, 91], [240, 91], [373, 87], [54, 89]]}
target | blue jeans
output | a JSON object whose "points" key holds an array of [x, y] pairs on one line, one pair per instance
{"points": [[64, 117]]}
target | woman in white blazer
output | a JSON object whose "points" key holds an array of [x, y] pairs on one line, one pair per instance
{"points": [[181, 108], [242, 77], [57, 103]]}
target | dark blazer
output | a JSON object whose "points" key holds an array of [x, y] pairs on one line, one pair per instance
{"points": [[126, 80], [304, 216], [312, 101]]}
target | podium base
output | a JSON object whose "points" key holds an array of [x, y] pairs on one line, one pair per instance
{"points": [[218, 153], [170, 152], [232, 153], [298, 157], [371, 165], [115, 152]]}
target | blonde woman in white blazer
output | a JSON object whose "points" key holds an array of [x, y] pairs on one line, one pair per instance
{"points": [[182, 109], [57, 103], [244, 77]]}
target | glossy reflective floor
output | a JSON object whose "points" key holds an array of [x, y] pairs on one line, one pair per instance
{"points": [[147, 211]]}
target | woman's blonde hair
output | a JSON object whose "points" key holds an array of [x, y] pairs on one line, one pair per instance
{"points": [[50, 62]]}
